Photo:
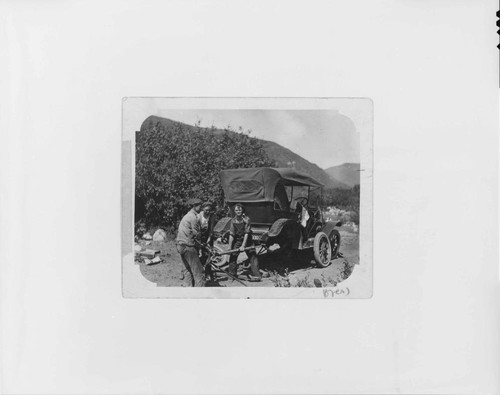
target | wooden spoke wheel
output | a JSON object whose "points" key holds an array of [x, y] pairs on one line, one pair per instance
{"points": [[334, 237], [322, 250]]}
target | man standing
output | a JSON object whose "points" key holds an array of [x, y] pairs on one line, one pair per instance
{"points": [[189, 231], [240, 237]]}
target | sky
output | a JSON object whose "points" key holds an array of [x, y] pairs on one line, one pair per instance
{"points": [[324, 137]]}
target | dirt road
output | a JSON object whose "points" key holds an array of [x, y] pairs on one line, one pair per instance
{"points": [[301, 272]]}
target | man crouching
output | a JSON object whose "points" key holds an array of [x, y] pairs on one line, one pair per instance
{"points": [[189, 231]]}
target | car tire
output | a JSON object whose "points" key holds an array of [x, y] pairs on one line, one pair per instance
{"points": [[334, 237], [322, 250]]}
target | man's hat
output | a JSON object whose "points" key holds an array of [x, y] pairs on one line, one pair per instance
{"points": [[208, 203], [194, 202]]}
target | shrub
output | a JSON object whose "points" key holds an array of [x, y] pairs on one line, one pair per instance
{"points": [[280, 281], [344, 199], [347, 269], [304, 282]]}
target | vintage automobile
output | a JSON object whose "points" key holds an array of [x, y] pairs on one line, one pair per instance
{"points": [[283, 205]]}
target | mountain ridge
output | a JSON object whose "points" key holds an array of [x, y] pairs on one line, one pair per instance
{"points": [[283, 156], [347, 173]]}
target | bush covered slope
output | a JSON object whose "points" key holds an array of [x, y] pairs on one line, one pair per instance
{"points": [[347, 173], [175, 162], [282, 156]]}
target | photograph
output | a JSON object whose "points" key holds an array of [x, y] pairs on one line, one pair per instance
{"points": [[267, 198]]}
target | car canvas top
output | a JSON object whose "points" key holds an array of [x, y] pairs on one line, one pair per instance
{"points": [[258, 184]]}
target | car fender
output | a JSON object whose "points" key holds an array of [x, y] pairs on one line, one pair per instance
{"points": [[328, 227], [286, 231], [278, 226]]}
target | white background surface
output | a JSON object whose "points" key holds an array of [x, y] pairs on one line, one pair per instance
{"points": [[431, 69]]}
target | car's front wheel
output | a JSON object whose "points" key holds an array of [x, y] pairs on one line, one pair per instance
{"points": [[322, 249]]}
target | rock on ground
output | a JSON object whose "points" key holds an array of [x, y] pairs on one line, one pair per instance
{"points": [[160, 235]]}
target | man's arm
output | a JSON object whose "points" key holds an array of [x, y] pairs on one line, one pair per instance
{"points": [[232, 232], [211, 224], [195, 227], [231, 240], [248, 229], [245, 238]]}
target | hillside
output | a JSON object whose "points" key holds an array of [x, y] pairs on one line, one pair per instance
{"points": [[347, 173], [283, 156]]}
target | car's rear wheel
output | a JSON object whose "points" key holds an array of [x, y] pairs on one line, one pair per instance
{"points": [[334, 237], [322, 250]]}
